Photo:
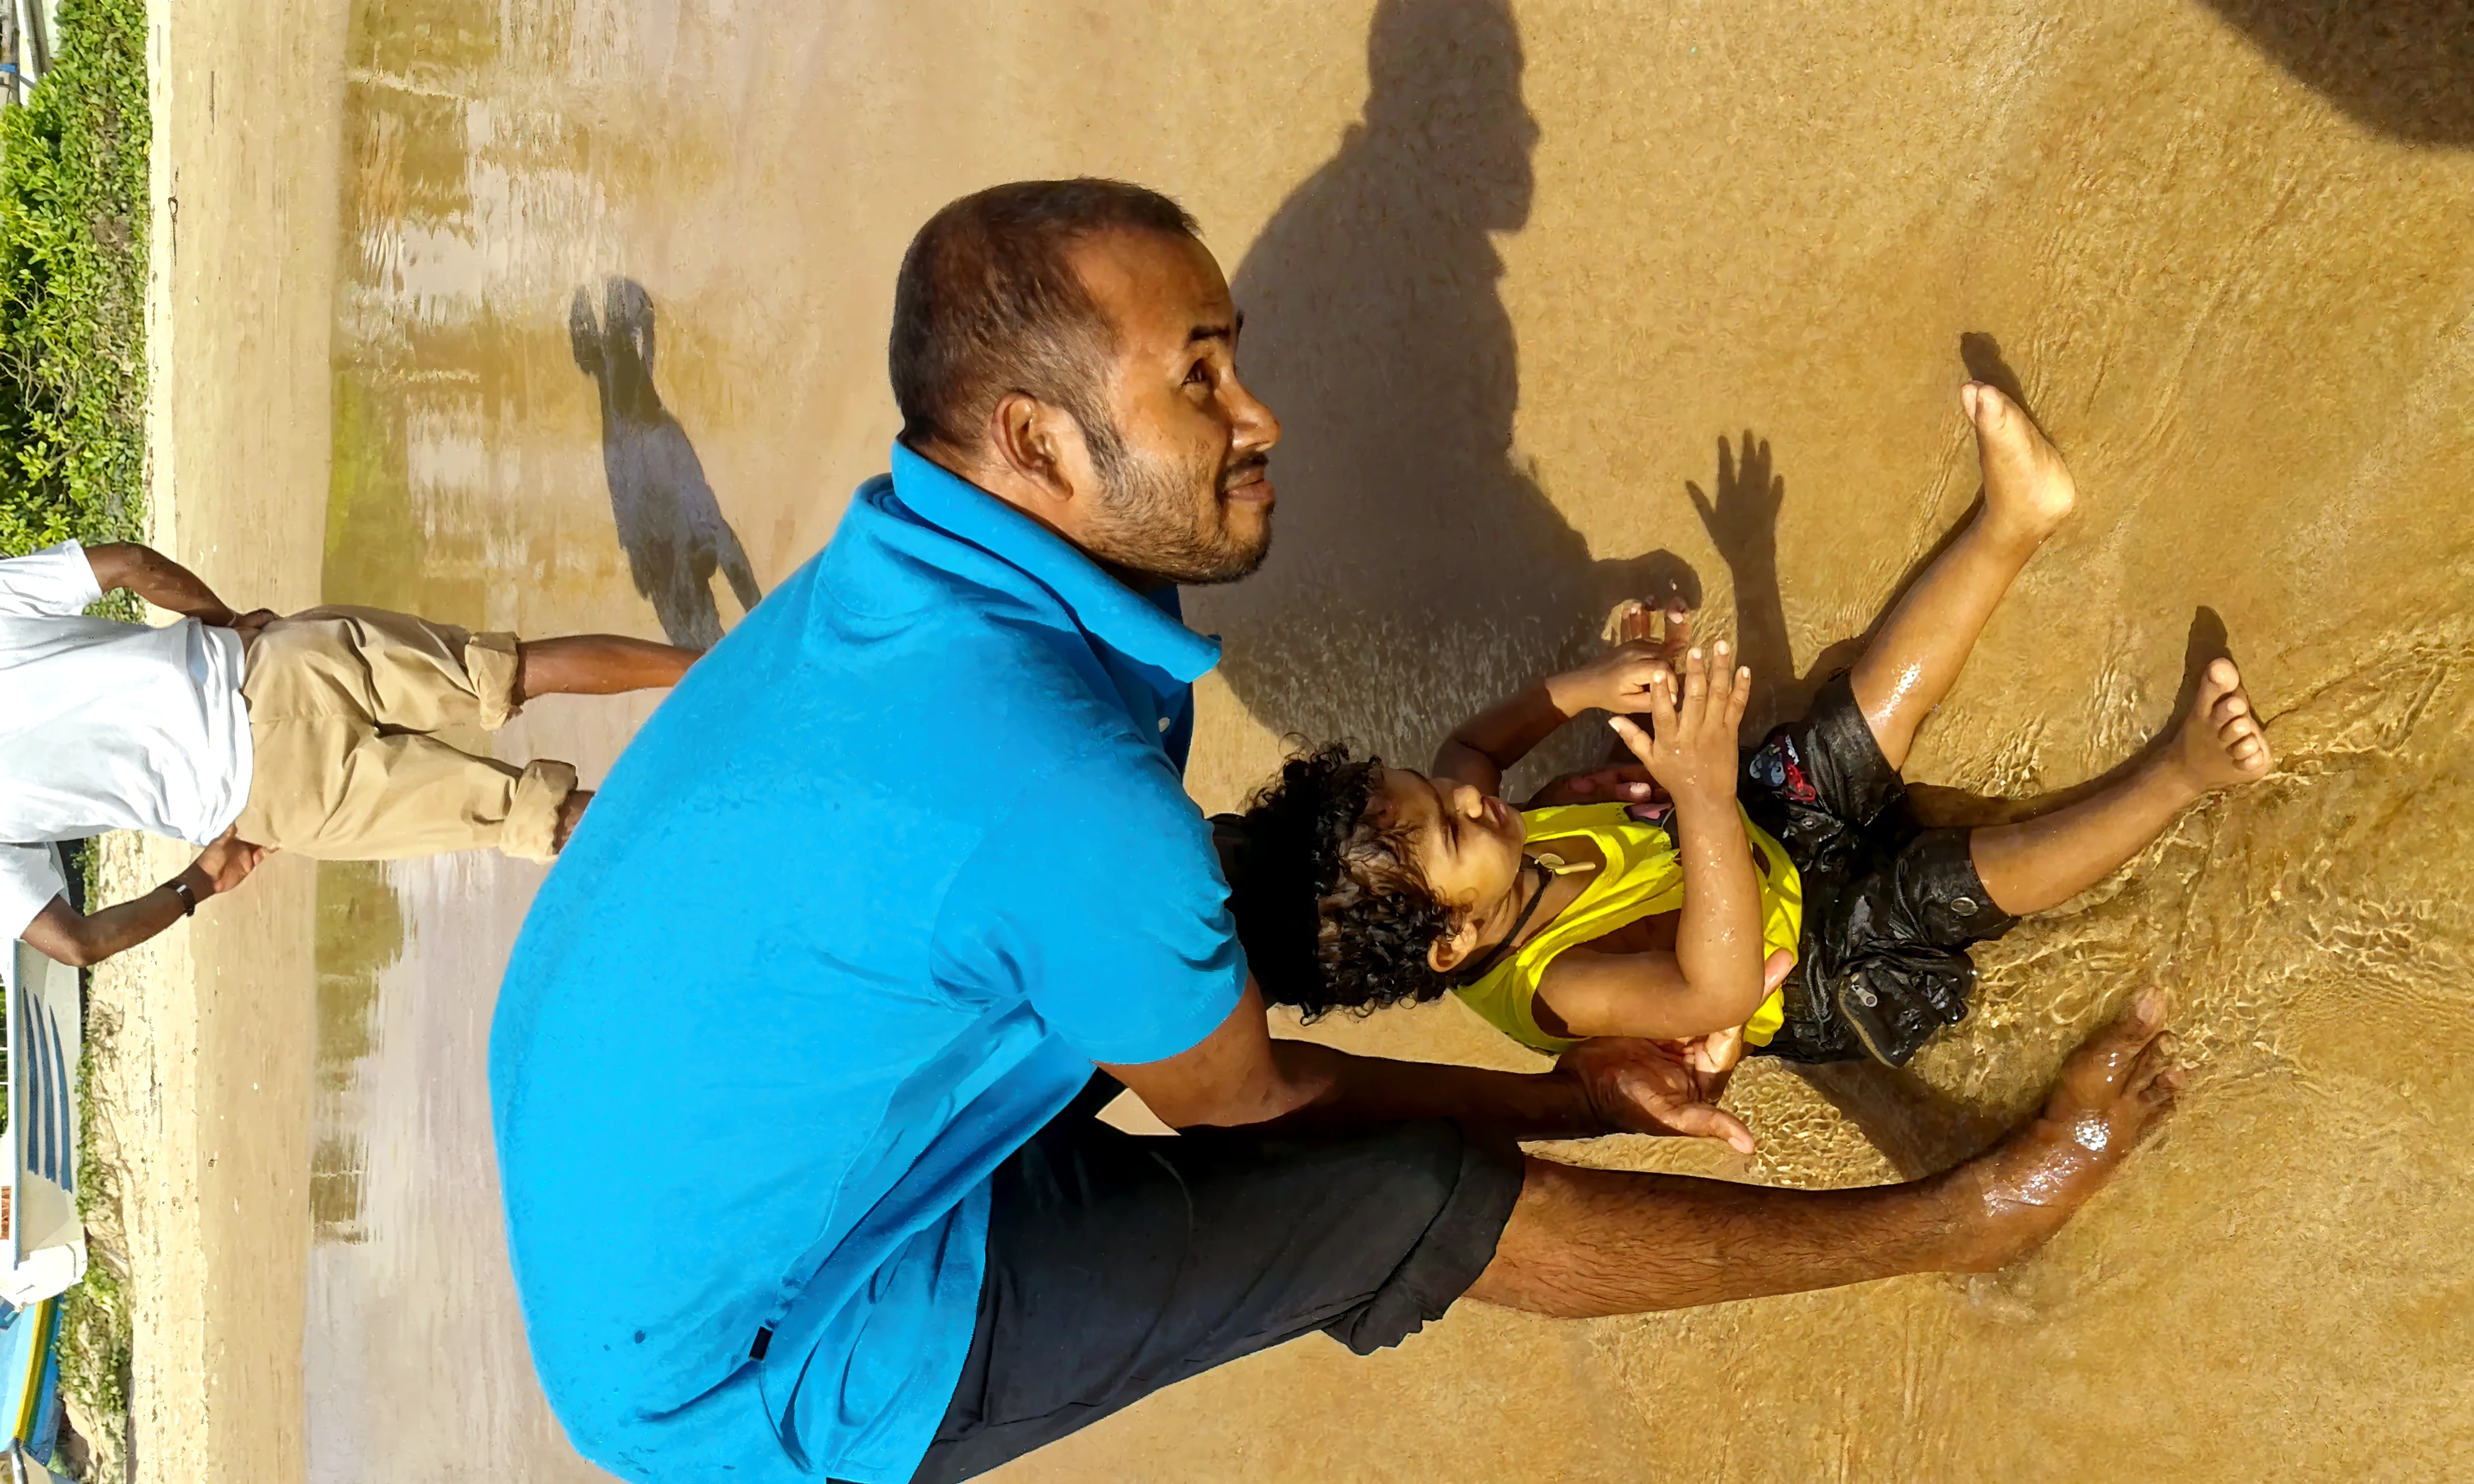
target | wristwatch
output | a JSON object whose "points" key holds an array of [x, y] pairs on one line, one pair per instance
{"points": [[188, 898]]}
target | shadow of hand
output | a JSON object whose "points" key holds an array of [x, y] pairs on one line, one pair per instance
{"points": [[1742, 520]]}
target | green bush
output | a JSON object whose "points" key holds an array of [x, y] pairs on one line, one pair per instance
{"points": [[73, 224]]}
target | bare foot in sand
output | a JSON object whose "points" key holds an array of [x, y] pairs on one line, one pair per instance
{"points": [[2111, 1091], [2220, 743], [2028, 488]]}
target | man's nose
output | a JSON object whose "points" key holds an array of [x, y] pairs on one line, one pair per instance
{"points": [[1252, 425]]}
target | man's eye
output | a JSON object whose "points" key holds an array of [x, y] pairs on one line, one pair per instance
{"points": [[1200, 374]]}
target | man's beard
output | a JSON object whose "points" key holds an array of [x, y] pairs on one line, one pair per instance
{"points": [[1152, 523]]}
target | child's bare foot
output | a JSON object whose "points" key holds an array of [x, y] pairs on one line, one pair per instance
{"points": [[2111, 1091], [2028, 488], [2220, 743]]}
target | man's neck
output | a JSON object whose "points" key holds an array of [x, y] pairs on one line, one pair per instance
{"points": [[1000, 484]]}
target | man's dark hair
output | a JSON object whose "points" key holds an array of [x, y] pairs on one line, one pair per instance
{"points": [[987, 302], [1332, 912]]}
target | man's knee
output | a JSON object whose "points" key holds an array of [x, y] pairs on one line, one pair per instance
{"points": [[1456, 1187]]}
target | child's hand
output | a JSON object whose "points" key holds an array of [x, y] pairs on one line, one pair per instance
{"points": [[1693, 749], [1617, 680]]}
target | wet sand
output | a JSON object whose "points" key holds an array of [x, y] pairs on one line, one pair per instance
{"points": [[1508, 310]]}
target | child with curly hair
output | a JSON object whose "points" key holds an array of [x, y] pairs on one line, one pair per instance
{"points": [[1785, 898]]}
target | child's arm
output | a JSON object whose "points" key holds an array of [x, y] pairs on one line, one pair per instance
{"points": [[1714, 977], [1486, 743], [1588, 994]]}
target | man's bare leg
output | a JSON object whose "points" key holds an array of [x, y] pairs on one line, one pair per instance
{"points": [[1917, 656], [597, 664], [2039, 864], [571, 813], [1584, 1243]]}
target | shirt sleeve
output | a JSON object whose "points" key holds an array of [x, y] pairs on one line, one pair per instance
{"points": [[57, 582], [1098, 897], [30, 877]]}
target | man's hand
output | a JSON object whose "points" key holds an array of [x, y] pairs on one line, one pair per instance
{"points": [[227, 862], [1691, 749], [78, 940], [1642, 1087], [1617, 680], [249, 623], [1671, 631]]}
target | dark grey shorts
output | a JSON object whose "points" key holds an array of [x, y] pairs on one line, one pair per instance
{"points": [[1119, 1264], [1889, 904]]}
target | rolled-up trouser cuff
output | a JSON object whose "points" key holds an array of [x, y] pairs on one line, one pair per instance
{"points": [[490, 659], [531, 829], [1455, 1249]]}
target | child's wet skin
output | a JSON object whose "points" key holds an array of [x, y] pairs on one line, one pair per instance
{"points": [[2027, 489], [2220, 743]]}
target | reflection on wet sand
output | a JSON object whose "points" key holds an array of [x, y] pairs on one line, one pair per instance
{"points": [[360, 936], [415, 1361]]}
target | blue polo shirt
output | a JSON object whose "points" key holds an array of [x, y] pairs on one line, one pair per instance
{"points": [[851, 920]]}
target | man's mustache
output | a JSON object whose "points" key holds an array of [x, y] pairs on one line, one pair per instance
{"points": [[1244, 471]]}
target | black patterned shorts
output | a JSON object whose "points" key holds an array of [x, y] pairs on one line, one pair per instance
{"points": [[1889, 907]]}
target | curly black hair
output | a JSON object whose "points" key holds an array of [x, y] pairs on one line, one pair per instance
{"points": [[1333, 913]]}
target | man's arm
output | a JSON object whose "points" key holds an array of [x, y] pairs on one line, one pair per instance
{"points": [[1240, 1075], [61, 932], [158, 579]]}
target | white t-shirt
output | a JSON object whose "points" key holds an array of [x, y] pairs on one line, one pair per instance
{"points": [[105, 726]]}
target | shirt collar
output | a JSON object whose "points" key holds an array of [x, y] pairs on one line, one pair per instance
{"points": [[1140, 627]]}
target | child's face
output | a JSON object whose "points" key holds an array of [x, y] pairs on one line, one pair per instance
{"points": [[1467, 844]]}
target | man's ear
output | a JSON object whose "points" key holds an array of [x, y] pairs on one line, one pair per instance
{"points": [[1450, 950], [1037, 441]]}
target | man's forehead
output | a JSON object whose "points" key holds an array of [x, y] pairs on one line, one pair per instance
{"points": [[1157, 286]]}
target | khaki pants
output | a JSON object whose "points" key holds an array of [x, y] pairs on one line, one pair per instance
{"points": [[341, 702]]}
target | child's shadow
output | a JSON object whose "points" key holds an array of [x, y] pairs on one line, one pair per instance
{"points": [[1740, 512]]}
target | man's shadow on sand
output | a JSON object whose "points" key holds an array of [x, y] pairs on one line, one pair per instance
{"points": [[1419, 571], [669, 523]]}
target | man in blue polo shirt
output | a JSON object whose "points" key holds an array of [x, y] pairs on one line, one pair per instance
{"points": [[793, 1070]]}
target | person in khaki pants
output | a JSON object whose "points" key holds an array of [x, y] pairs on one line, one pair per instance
{"points": [[249, 732]]}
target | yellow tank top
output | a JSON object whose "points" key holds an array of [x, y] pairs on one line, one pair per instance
{"points": [[1641, 877]]}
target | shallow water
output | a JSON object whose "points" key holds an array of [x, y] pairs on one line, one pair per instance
{"points": [[614, 281]]}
